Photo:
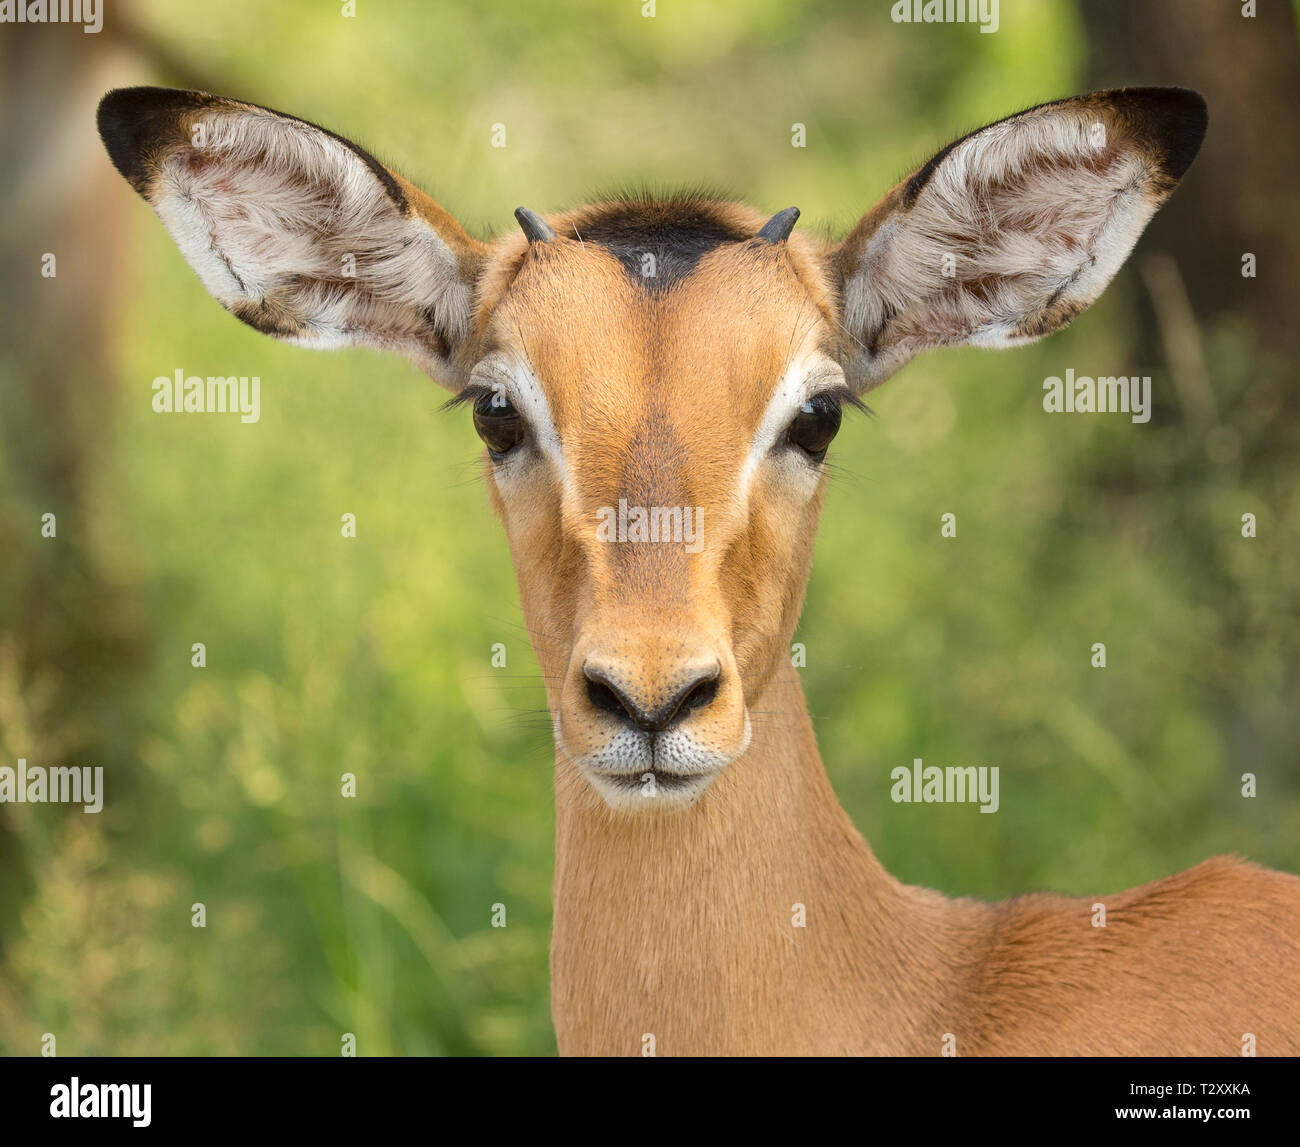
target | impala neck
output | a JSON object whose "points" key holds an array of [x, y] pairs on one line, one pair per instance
{"points": [[728, 927]]}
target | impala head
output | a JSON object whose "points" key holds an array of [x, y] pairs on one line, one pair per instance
{"points": [[656, 381]]}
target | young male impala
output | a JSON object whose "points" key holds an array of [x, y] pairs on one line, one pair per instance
{"points": [[686, 353]]}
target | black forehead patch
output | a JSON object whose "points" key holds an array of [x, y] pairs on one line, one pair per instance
{"points": [[659, 242]]}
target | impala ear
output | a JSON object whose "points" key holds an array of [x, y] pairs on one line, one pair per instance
{"points": [[1010, 232], [293, 229]]}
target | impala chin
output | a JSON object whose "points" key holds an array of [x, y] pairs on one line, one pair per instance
{"points": [[635, 771]]}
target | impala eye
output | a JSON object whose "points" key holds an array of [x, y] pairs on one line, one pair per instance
{"points": [[815, 425], [498, 423]]}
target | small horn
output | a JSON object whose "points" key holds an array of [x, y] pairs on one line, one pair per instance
{"points": [[533, 225], [778, 228]]}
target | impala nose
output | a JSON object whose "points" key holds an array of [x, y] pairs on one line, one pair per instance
{"points": [[655, 710]]}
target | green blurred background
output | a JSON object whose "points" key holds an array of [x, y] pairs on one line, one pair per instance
{"points": [[373, 656]]}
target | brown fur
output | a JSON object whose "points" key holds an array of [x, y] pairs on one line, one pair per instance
{"points": [[680, 926]]}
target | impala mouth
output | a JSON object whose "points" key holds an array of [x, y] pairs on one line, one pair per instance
{"points": [[650, 787], [634, 780], [634, 769]]}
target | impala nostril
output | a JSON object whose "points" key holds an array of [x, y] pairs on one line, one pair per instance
{"points": [[609, 698], [604, 697], [701, 693], [695, 695]]}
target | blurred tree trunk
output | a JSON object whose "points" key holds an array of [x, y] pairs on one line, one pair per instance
{"points": [[71, 631], [63, 632], [1230, 342], [1241, 194]]}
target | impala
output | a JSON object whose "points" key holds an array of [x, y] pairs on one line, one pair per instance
{"points": [[684, 353]]}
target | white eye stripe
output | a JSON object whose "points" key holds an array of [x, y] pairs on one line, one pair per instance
{"points": [[805, 377], [524, 391]]}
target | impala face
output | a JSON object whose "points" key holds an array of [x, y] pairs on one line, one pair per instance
{"points": [[657, 382], [655, 439]]}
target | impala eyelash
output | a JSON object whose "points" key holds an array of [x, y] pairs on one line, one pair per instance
{"points": [[845, 397], [472, 393]]}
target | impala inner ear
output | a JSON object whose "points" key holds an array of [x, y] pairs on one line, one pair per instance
{"points": [[296, 231], [1009, 233]]}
